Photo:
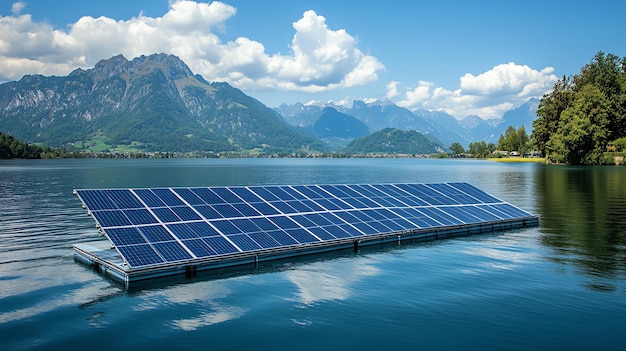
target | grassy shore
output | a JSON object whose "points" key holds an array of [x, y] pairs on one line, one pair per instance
{"points": [[519, 159]]}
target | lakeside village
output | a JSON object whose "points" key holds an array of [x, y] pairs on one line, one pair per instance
{"points": [[497, 155]]}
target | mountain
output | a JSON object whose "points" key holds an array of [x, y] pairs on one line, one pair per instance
{"points": [[152, 103], [523, 115], [378, 115], [393, 141], [332, 123]]}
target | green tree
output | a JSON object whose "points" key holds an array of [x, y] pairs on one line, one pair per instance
{"points": [[457, 149], [584, 127], [514, 140], [582, 114], [549, 113], [478, 149]]}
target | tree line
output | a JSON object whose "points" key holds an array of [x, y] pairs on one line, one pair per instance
{"points": [[13, 148], [581, 121], [584, 113]]}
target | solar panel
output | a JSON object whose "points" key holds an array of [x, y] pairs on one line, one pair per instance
{"points": [[171, 225]]}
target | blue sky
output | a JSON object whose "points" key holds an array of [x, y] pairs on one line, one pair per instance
{"points": [[464, 57]]}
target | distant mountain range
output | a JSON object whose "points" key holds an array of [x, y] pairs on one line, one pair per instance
{"points": [[156, 103], [151, 103], [394, 141], [379, 115]]}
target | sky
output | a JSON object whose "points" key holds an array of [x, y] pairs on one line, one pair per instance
{"points": [[462, 57]]}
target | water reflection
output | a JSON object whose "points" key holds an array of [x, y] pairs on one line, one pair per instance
{"points": [[317, 282], [202, 300], [584, 218]]}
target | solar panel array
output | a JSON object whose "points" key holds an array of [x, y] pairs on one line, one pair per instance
{"points": [[163, 225]]}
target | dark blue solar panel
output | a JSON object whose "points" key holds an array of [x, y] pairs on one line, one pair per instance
{"points": [[327, 204], [350, 230], [244, 242], [226, 227], [149, 198], [475, 192], [296, 195], [404, 223], [220, 245], [140, 216], [337, 231], [245, 225], [483, 215], [264, 239], [167, 196], [301, 235], [283, 238], [246, 210], [171, 251], [318, 219], [246, 195], [125, 236], [366, 228], [264, 193], [391, 224], [186, 213], [380, 227], [207, 196], [207, 211], [363, 190], [348, 191], [304, 221], [139, 255], [264, 208], [311, 192], [439, 216], [165, 215], [222, 220], [182, 231], [312, 205], [228, 211], [322, 233], [111, 218], [202, 229], [279, 193], [355, 203], [124, 199], [199, 248], [348, 217], [96, 200], [299, 206], [458, 213], [511, 210], [264, 224], [334, 191], [283, 222], [382, 202], [155, 233], [341, 204], [189, 196], [227, 195], [283, 207], [362, 216]]}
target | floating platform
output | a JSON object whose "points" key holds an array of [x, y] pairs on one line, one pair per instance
{"points": [[160, 232]]}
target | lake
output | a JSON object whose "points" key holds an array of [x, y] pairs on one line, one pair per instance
{"points": [[561, 285]]}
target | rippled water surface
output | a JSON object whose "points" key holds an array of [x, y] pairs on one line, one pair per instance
{"points": [[561, 285]]}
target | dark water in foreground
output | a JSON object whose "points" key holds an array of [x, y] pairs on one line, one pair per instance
{"points": [[559, 286]]}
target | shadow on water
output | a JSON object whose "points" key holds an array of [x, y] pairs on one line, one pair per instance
{"points": [[583, 219]]}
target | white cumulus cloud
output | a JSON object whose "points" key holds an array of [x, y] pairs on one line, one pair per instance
{"points": [[488, 94], [321, 58]]}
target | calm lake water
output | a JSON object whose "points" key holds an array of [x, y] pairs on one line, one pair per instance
{"points": [[559, 286]]}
